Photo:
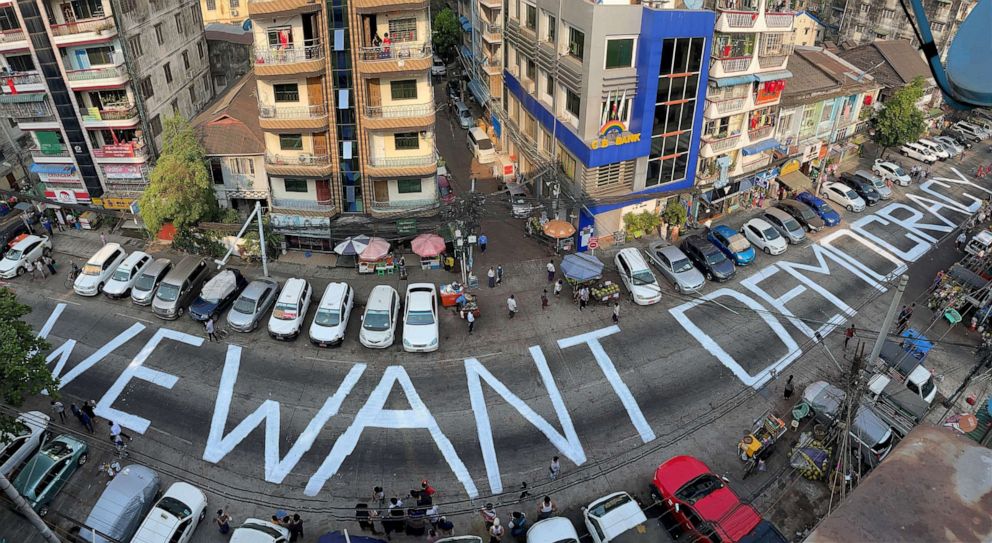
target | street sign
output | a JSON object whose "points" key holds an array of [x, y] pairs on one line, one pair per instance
{"points": [[593, 243], [406, 227]]}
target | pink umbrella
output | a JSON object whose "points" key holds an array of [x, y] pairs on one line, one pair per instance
{"points": [[428, 245], [376, 249]]}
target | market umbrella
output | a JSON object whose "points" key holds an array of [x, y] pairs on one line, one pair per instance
{"points": [[376, 249], [559, 229], [353, 245], [581, 267], [428, 245]]}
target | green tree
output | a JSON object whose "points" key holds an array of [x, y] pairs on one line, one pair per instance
{"points": [[180, 189], [900, 120], [23, 370], [674, 213], [447, 33]]}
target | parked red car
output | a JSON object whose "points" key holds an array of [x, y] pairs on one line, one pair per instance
{"points": [[699, 503], [444, 189]]}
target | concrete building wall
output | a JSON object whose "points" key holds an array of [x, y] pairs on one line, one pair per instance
{"points": [[228, 62], [224, 11]]}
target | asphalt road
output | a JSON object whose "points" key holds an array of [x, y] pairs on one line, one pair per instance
{"points": [[674, 388]]}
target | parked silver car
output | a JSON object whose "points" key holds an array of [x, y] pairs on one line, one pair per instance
{"points": [[785, 224], [122, 506], [252, 305], [675, 266]]}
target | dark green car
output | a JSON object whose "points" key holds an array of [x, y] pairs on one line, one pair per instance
{"points": [[49, 470]]}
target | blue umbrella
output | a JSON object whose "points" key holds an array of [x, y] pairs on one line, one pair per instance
{"points": [[581, 267], [352, 246]]}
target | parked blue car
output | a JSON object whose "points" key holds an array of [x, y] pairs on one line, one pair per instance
{"points": [[732, 244], [827, 213]]}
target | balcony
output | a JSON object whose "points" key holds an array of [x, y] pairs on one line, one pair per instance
{"points": [[399, 116], [281, 7], [84, 31], [732, 65], [761, 133], [728, 106], [772, 62], [13, 40], [402, 166], [373, 61], [715, 145], [100, 77], [736, 21], [419, 207], [25, 81], [492, 34], [50, 156], [316, 208], [779, 21], [298, 165], [304, 59], [381, 6], [121, 152], [111, 117], [271, 117], [492, 67]]}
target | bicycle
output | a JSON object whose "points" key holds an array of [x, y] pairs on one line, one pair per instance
{"points": [[70, 277]]}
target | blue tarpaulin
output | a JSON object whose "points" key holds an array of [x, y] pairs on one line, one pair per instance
{"points": [[478, 91], [731, 81], [55, 169], [466, 24], [773, 76], [581, 266], [466, 53], [759, 147]]}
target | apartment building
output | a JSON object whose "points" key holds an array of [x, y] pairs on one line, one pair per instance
{"points": [[347, 109], [232, 12], [603, 102], [481, 53], [858, 22], [92, 82], [752, 41]]}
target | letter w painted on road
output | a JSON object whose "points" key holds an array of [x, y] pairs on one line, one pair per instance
{"points": [[219, 445]]}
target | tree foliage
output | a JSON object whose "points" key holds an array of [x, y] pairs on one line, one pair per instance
{"points": [[180, 189], [899, 120], [447, 33], [674, 213], [23, 370]]}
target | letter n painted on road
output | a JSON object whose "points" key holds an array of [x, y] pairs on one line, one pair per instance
{"points": [[568, 444], [373, 415]]}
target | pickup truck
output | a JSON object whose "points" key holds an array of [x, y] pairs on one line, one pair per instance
{"points": [[895, 404], [907, 365], [618, 518]]}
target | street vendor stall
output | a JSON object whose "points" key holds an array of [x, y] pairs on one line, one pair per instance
{"points": [[450, 293], [376, 258], [585, 270], [429, 248]]}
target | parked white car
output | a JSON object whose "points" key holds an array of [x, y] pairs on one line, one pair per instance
{"points": [[843, 195], [127, 273], [379, 319], [552, 530], [935, 148], [918, 152], [331, 319], [174, 517], [98, 269], [28, 435], [259, 531], [764, 236], [27, 251], [891, 171], [438, 68], [421, 332], [637, 277], [291, 309], [953, 146]]}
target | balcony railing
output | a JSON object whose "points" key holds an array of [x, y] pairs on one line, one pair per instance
{"points": [[761, 133], [393, 112], [96, 24], [121, 150], [113, 114], [779, 20], [38, 153], [740, 19], [303, 205], [104, 72], [776, 61], [12, 35], [395, 52], [22, 78], [729, 105], [399, 162], [297, 160], [405, 204], [292, 112], [312, 50], [492, 32], [736, 64], [719, 145], [737, 5]]}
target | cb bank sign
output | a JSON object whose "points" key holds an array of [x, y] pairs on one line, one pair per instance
{"points": [[613, 131]]}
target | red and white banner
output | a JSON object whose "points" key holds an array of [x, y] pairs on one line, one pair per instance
{"points": [[68, 196]]}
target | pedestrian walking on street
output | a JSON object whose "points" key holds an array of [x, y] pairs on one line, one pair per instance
{"points": [[209, 326], [555, 468], [49, 263], [546, 508], [483, 241], [511, 305], [445, 526], [491, 274], [848, 334], [87, 422], [544, 300], [116, 430], [296, 528], [496, 532], [518, 526], [378, 496], [76, 412], [937, 279], [960, 240], [789, 388], [46, 223], [103, 238], [37, 270], [395, 502], [616, 312], [470, 317], [59, 409], [89, 407], [559, 284], [223, 521], [499, 274], [551, 271], [488, 514]]}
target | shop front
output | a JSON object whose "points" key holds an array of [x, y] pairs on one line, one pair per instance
{"points": [[791, 180], [739, 194]]}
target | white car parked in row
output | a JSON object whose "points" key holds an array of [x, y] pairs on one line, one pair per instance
{"points": [[127, 273], [918, 152], [843, 195], [764, 236], [379, 320], [636, 275], [291, 309], [421, 333], [552, 530], [27, 251], [98, 269], [890, 171], [17, 447], [174, 517], [331, 319], [259, 531]]}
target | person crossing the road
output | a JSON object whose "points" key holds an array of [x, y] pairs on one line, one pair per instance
{"points": [[116, 431], [470, 317], [511, 305], [209, 326]]}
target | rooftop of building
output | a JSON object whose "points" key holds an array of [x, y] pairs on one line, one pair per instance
{"points": [[893, 63], [228, 32], [821, 74], [228, 125]]}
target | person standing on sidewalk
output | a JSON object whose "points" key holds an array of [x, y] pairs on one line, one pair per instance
{"points": [[223, 522], [209, 326], [117, 431], [470, 317], [46, 223], [544, 300], [103, 238], [49, 263], [483, 241], [555, 468], [511, 305], [789, 388], [59, 409], [551, 270], [87, 422], [960, 240], [499, 275], [491, 274], [583, 298], [616, 312], [848, 334], [558, 286]]}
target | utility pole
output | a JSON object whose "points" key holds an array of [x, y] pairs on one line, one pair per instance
{"points": [[24, 509], [890, 317], [984, 360]]}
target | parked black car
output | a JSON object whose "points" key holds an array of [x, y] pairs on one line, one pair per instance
{"points": [[862, 188], [708, 258], [802, 213], [217, 294]]}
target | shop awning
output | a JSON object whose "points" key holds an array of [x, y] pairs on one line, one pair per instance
{"points": [[770, 143], [773, 76], [478, 91], [22, 98], [796, 181], [466, 24], [731, 81], [53, 169]]}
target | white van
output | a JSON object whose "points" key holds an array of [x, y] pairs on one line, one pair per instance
{"points": [[98, 270], [290, 310], [331, 320], [935, 148], [481, 146], [917, 151], [636, 275], [970, 130], [127, 273], [463, 114]]}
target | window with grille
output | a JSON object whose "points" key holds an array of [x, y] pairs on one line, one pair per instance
{"points": [[408, 186], [611, 174], [406, 141], [280, 37], [403, 30], [295, 185], [286, 92], [403, 90], [243, 166], [134, 45], [147, 89], [291, 142], [211, 5]]}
